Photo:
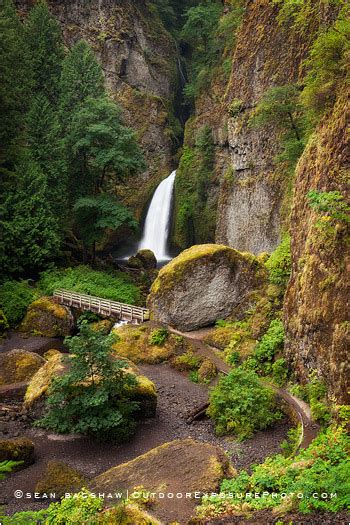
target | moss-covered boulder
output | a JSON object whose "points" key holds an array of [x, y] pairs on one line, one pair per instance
{"points": [[59, 478], [181, 466], [104, 326], [140, 344], [144, 392], [18, 366], [147, 258], [202, 284], [18, 449], [47, 318], [207, 371]]}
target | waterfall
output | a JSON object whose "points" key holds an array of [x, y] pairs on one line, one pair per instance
{"points": [[158, 218]]}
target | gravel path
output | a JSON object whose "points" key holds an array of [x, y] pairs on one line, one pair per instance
{"points": [[177, 398]]}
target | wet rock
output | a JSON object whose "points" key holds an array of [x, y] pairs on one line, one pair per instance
{"points": [[18, 449], [59, 478]]}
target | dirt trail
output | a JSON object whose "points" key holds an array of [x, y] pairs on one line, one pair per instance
{"points": [[310, 428]]}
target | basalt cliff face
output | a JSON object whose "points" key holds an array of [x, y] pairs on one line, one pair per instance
{"points": [[139, 61], [317, 299]]}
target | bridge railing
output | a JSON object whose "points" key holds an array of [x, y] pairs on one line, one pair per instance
{"points": [[105, 307]]}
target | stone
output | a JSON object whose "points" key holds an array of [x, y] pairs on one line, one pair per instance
{"points": [[207, 371], [47, 318], [203, 284], [147, 258], [18, 366], [59, 478], [182, 465], [18, 449]]}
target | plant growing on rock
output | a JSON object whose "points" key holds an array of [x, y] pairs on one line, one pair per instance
{"points": [[158, 337], [93, 396], [240, 405]]}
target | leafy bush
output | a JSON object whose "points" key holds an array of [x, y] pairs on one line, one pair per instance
{"points": [[158, 336], [266, 349], [239, 404], [279, 263], [280, 371], [321, 468], [116, 286], [93, 397], [15, 297], [330, 202]]}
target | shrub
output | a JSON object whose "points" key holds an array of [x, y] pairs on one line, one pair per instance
{"points": [[266, 349], [330, 202], [239, 404], [15, 297], [158, 337], [115, 286], [279, 263], [94, 396], [280, 371]]}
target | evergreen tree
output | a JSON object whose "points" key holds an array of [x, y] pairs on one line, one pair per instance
{"points": [[45, 46], [28, 239], [47, 150], [15, 82], [81, 78], [102, 150]]}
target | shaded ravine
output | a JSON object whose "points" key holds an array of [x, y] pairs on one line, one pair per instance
{"points": [[309, 428]]}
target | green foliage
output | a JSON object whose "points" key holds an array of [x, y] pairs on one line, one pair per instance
{"points": [[266, 349], [7, 466], [239, 404], [195, 219], [235, 107], [15, 297], [322, 468], [281, 107], [331, 203], [290, 445], [187, 362], [15, 83], [101, 149], [279, 263], [29, 236], [279, 370], [327, 65], [44, 41], [116, 286], [158, 336], [93, 397], [95, 215]]}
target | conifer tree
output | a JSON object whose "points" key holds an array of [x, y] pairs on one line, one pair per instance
{"points": [[45, 46]]}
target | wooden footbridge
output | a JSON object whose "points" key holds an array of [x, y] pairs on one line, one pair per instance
{"points": [[104, 307]]}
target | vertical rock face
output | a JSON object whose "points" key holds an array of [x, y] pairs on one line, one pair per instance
{"points": [[317, 300], [138, 57]]}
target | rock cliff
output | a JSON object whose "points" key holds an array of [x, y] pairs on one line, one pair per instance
{"points": [[317, 300]]}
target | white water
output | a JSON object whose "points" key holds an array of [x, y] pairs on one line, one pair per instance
{"points": [[157, 224]]}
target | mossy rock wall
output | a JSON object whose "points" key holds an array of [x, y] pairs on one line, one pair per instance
{"points": [[18, 366], [47, 318], [18, 449], [203, 284], [317, 323]]}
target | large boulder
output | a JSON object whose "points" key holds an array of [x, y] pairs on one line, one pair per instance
{"points": [[47, 318], [181, 466], [18, 366], [59, 478], [203, 284], [18, 449], [144, 259]]}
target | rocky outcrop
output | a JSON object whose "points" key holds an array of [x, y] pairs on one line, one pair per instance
{"points": [[316, 305], [203, 284], [139, 61], [181, 466], [18, 366], [47, 318]]}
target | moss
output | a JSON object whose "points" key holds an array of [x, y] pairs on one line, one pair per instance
{"points": [[41, 380], [18, 449], [187, 362], [51, 353], [104, 326], [17, 366], [59, 478], [207, 371], [136, 345], [47, 318]]}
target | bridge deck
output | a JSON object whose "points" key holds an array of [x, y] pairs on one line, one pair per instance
{"points": [[104, 307]]}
